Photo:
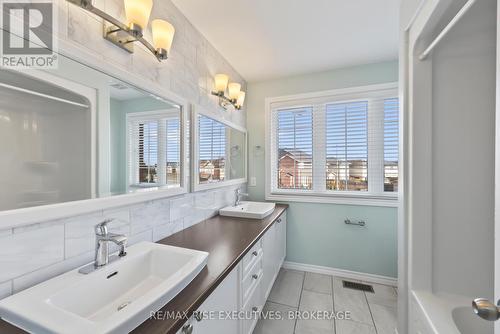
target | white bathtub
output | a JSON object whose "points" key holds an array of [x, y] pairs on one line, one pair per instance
{"points": [[445, 314]]}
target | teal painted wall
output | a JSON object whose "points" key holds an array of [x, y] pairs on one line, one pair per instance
{"points": [[316, 232]]}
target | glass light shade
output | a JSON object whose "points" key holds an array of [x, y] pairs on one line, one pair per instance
{"points": [[221, 81], [163, 34], [241, 99], [137, 12], [233, 89]]}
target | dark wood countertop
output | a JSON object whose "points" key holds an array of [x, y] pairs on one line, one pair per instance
{"points": [[227, 239]]}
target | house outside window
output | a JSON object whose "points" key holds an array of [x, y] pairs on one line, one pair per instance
{"points": [[338, 146]]}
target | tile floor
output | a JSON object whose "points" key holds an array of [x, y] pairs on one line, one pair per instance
{"points": [[370, 313]]}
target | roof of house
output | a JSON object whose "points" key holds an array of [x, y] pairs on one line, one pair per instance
{"points": [[295, 154]]}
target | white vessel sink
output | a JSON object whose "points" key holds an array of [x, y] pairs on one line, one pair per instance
{"points": [[114, 299], [254, 210]]}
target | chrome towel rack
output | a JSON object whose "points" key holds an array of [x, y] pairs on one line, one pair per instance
{"points": [[347, 221], [447, 29]]}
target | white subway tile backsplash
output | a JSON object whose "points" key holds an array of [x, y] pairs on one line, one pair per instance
{"points": [[143, 236], [6, 232], [147, 215], [5, 289], [120, 220], [80, 234], [163, 231], [181, 207], [193, 220], [22, 253], [26, 228], [28, 280]]}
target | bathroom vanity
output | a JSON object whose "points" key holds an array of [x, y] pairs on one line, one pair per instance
{"points": [[244, 261], [245, 256]]}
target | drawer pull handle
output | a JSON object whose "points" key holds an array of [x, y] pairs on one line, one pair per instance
{"points": [[254, 253], [187, 329], [198, 316], [255, 276], [279, 220], [255, 308]]}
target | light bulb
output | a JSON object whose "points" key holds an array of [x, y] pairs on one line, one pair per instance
{"points": [[221, 81], [241, 99], [163, 35], [233, 90], [137, 13]]}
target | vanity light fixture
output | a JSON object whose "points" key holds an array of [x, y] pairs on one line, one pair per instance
{"points": [[236, 96], [125, 34]]}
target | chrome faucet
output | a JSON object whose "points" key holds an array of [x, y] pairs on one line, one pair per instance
{"points": [[239, 195], [102, 239]]}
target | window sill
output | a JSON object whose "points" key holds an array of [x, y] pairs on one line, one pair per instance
{"points": [[389, 200]]}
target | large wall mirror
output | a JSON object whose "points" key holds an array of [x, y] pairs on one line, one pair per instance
{"points": [[75, 134], [219, 152]]}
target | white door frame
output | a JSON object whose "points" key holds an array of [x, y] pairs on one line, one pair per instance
{"points": [[497, 172]]}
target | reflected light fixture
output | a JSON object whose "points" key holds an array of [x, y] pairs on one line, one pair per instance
{"points": [[124, 35], [236, 97]]}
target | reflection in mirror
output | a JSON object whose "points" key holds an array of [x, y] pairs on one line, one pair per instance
{"points": [[75, 133], [145, 141], [45, 143], [221, 151]]}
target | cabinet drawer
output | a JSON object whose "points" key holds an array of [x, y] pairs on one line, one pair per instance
{"points": [[252, 309], [251, 257], [251, 280]]}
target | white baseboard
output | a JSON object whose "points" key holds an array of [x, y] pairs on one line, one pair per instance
{"points": [[342, 273]]}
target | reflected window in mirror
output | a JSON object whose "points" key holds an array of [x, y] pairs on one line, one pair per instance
{"points": [[221, 152], [212, 150], [153, 149], [145, 141]]}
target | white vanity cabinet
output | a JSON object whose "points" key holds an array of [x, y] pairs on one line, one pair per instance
{"points": [[245, 290], [210, 317], [224, 299], [274, 248]]}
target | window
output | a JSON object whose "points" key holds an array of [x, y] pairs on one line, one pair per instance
{"points": [[391, 144], [212, 150], [295, 148], [154, 149], [337, 144], [347, 146]]}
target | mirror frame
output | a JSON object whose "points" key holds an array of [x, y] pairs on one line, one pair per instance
{"points": [[196, 111], [39, 214]]}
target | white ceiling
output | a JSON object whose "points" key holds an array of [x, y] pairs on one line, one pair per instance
{"points": [[266, 39]]}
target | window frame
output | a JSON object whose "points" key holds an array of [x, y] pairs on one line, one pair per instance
{"points": [[375, 196], [149, 116], [198, 110]]}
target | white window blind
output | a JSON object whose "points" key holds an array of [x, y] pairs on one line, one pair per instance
{"points": [[295, 148], [391, 144], [148, 152], [154, 150], [212, 150], [327, 145], [347, 146], [173, 151]]}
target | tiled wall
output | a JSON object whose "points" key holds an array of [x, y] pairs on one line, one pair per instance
{"points": [[34, 253], [192, 62]]}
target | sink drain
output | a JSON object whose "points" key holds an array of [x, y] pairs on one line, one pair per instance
{"points": [[122, 306]]}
